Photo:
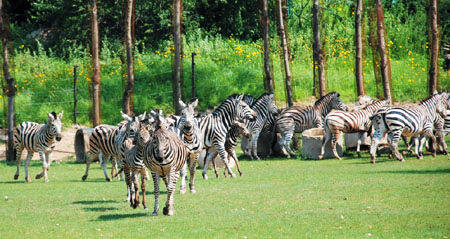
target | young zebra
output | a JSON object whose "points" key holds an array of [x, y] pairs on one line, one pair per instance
{"points": [[216, 125], [265, 109], [107, 141], [39, 138], [409, 121], [165, 155], [349, 122], [237, 130], [296, 119]]}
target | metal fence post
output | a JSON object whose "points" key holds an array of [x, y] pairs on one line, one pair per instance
{"points": [[75, 100], [11, 92], [193, 75]]}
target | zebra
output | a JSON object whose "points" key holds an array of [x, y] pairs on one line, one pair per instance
{"points": [[407, 121], [238, 129], [215, 126], [107, 140], [39, 138], [165, 155], [265, 109], [349, 122], [296, 119]]}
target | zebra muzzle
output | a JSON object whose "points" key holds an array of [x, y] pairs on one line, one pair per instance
{"points": [[58, 138]]}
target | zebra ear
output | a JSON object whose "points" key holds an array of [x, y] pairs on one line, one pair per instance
{"points": [[195, 103], [50, 116], [126, 117], [60, 115], [142, 116], [181, 103], [240, 97]]}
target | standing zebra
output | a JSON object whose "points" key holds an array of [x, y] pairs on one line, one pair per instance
{"points": [[216, 125], [408, 121], [107, 141], [296, 119], [39, 138], [265, 108], [165, 155], [349, 122]]}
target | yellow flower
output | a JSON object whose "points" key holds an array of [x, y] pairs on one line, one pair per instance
{"points": [[21, 46]]}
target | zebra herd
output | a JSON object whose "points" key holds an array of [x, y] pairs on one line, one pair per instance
{"points": [[167, 146]]}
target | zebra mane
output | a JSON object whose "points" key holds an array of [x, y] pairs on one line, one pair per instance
{"points": [[225, 104], [259, 99], [328, 96], [247, 98], [375, 105]]}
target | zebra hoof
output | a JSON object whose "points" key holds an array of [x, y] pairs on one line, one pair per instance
{"points": [[155, 214], [205, 176], [183, 191], [233, 175], [28, 179], [108, 179], [390, 156], [16, 176], [320, 157], [84, 177], [165, 210], [38, 176], [46, 180], [433, 154], [240, 174], [193, 191], [359, 155]]}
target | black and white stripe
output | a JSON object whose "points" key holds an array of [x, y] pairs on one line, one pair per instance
{"points": [[39, 138]]}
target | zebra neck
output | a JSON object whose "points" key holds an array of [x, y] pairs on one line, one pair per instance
{"points": [[47, 135]]}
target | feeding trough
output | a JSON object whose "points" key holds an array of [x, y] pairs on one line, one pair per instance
{"points": [[217, 160], [312, 142], [81, 144], [265, 143], [351, 141]]}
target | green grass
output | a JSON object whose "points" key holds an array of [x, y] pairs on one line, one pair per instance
{"points": [[275, 198]]}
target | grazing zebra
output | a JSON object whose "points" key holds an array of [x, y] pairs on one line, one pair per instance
{"points": [[107, 141], [39, 138], [216, 125], [349, 122], [237, 130], [407, 121], [265, 108], [165, 154], [296, 119]]}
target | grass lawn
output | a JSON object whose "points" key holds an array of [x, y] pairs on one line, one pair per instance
{"points": [[275, 198]]}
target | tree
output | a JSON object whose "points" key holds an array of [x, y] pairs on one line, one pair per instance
{"points": [[359, 47], [371, 10], [268, 70], [127, 101], [281, 7], [96, 65], [10, 89], [385, 65], [433, 23], [319, 53], [177, 64]]}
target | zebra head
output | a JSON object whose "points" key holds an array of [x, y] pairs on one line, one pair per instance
{"points": [[132, 124], [242, 129], [336, 102], [442, 104], [54, 121], [187, 120], [161, 139], [243, 110]]}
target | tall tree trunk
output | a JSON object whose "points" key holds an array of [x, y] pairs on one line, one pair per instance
{"points": [[96, 114], [319, 53], [127, 102], [433, 22], [373, 42], [359, 47], [385, 62], [268, 70], [177, 65], [10, 89], [286, 58]]}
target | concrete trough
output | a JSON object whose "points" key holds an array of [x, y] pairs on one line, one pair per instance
{"points": [[351, 141], [312, 142], [217, 160]]}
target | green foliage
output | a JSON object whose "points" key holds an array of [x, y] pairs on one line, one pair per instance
{"points": [[275, 198]]}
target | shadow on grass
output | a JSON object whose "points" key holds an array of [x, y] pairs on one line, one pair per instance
{"points": [[160, 192], [111, 217], [91, 202], [436, 171], [99, 209], [13, 182], [93, 180]]}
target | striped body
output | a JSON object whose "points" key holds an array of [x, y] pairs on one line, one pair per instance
{"points": [[408, 121], [39, 138], [358, 121], [296, 119], [215, 126]]}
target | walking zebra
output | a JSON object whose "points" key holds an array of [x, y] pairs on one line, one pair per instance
{"points": [[408, 121], [107, 141], [165, 155], [237, 130], [39, 138], [265, 108], [216, 125], [349, 122], [296, 119]]}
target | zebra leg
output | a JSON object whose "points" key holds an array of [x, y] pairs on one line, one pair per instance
{"points": [[104, 162], [209, 154], [48, 162], [422, 141], [325, 140], [183, 173], [334, 138], [254, 143], [143, 177], [173, 177], [358, 144], [44, 165], [430, 135], [441, 138], [214, 164], [128, 182], [395, 136], [286, 141], [89, 159], [192, 164], [114, 167], [417, 145], [224, 156], [156, 193], [18, 161], [27, 163], [136, 189], [233, 155], [374, 145]]}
